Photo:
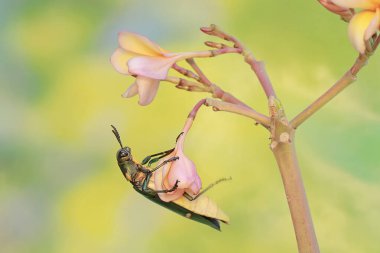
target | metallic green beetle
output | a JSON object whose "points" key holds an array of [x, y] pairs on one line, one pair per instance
{"points": [[199, 208]]}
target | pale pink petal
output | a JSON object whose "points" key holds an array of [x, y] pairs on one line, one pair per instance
{"points": [[119, 60], [147, 89], [165, 172], [153, 67], [196, 186], [131, 91], [159, 185], [357, 27], [139, 44], [180, 142], [160, 176], [373, 26], [364, 4], [184, 171], [158, 179]]}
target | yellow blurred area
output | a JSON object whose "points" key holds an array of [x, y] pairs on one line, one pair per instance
{"points": [[50, 34], [60, 186]]}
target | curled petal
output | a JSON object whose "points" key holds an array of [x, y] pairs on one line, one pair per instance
{"points": [[364, 4], [167, 197], [119, 60], [160, 183], [147, 89], [153, 67], [139, 44], [373, 26], [131, 91], [182, 170], [196, 186], [358, 27]]}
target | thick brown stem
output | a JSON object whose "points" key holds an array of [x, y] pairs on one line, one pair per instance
{"points": [[286, 158], [282, 145]]}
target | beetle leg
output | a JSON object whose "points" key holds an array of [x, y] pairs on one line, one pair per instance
{"points": [[191, 198], [170, 190], [151, 159], [144, 187], [171, 159]]}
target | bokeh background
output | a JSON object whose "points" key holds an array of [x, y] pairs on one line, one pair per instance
{"points": [[60, 186]]}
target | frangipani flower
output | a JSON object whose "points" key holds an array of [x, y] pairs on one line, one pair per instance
{"points": [[183, 170], [363, 24], [148, 62]]}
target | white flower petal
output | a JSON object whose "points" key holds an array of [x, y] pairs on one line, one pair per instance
{"points": [[131, 91], [147, 89], [119, 60], [153, 67], [139, 44]]}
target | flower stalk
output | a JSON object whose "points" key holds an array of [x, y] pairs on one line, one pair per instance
{"points": [[348, 78], [257, 66]]}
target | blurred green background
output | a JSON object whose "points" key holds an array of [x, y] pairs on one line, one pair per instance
{"points": [[60, 187]]}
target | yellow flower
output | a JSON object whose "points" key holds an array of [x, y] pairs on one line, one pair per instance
{"points": [[363, 24], [149, 63]]}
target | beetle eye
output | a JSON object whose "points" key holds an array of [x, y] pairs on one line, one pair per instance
{"points": [[123, 154]]}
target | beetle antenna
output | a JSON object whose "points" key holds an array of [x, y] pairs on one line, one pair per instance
{"points": [[117, 135], [191, 198]]}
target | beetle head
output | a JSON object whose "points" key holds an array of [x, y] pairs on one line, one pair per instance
{"points": [[124, 153]]}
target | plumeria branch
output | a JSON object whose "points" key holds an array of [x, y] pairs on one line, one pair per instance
{"points": [[345, 13], [218, 105], [186, 72], [203, 84], [257, 66], [188, 85], [202, 77], [348, 78]]}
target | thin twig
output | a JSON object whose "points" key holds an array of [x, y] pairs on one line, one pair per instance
{"points": [[238, 109], [188, 85], [202, 77], [348, 78], [203, 84], [186, 72], [257, 66]]}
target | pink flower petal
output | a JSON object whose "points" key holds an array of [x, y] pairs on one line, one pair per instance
{"points": [[196, 186], [119, 60], [147, 89], [131, 91], [139, 44], [159, 185], [182, 170], [153, 67], [358, 25], [364, 4]]}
